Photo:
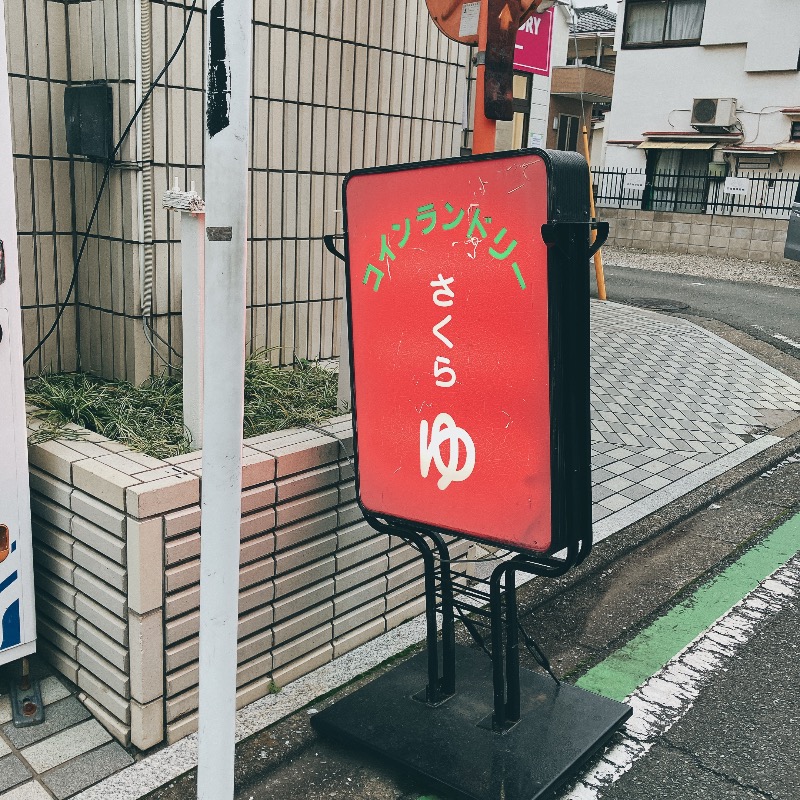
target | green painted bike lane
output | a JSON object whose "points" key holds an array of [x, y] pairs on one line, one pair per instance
{"points": [[630, 666], [625, 670]]}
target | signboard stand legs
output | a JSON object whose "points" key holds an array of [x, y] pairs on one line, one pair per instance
{"points": [[502, 731], [437, 689]]}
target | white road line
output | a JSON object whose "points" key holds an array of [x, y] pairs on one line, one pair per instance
{"points": [[668, 695], [779, 336], [786, 339]]}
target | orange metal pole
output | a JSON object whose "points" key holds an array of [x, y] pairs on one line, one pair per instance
{"points": [[598, 256], [483, 130]]}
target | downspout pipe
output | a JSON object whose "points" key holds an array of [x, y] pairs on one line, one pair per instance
{"points": [[144, 77]]}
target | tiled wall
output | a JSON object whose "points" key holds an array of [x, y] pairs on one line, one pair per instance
{"points": [[38, 72], [117, 546], [747, 238], [100, 40], [337, 84]]}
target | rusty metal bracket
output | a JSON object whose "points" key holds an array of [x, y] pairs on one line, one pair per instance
{"points": [[27, 706]]}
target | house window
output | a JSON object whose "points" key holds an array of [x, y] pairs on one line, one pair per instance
{"points": [[795, 134], [663, 23], [567, 132]]}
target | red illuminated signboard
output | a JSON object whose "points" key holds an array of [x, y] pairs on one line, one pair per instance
{"points": [[454, 316]]}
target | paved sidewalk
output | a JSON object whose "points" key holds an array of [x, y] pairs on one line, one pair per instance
{"points": [[54, 751], [673, 406]]}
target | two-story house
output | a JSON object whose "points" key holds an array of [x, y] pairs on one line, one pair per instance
{"points": [[706, 88], [583, 82]]}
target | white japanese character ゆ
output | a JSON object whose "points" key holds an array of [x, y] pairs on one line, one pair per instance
{"points": [[444, 429]]}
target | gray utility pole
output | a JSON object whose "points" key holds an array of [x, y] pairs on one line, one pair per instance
{"points": [[228, 59], [193, 233]]}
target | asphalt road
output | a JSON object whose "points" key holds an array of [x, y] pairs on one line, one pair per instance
{"points": [[769, 313], [737, 741]]}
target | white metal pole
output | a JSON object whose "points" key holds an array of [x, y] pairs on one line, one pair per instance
{"points": [[229, 46], [193, 228]]}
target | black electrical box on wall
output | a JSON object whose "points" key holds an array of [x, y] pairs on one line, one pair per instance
{"points": [[88, 118]]}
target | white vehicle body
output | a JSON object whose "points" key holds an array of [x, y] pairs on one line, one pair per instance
{"points": [[17, 618]]}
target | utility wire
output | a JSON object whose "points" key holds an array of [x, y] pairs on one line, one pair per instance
{"points": [[104, 182]]}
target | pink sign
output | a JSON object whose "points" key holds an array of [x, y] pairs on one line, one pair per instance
{"points": [[532, 50]]}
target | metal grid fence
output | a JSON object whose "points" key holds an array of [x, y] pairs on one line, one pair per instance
{"points": [[768, 194]]}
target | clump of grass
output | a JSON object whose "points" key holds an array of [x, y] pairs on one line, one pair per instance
{"points": [[286, 398], [149, 418]]}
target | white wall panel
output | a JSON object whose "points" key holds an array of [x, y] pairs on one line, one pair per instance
{"points": [[17, 620]]}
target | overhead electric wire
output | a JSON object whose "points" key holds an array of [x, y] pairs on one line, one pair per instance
{"points": [[118, 146]]}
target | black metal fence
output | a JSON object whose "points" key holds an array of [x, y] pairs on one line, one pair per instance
{"points": [[762, 194]]}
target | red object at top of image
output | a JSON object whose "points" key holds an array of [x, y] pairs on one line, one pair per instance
{"points": [[446, 14]]}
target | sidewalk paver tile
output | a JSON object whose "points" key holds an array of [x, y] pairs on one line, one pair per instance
{"points": [[53, 690], [12, 772], [86, 770], [59, 716], [5, 709], [617, 484], [28, 791], [616, 502], [66, 745], [655, 482], [636, 492]]}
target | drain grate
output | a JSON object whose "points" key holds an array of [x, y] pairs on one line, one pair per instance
{"points": [[659, 304]]}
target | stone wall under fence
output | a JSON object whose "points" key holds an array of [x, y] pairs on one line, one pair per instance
{"points": [[117, 571], [749, 238]]}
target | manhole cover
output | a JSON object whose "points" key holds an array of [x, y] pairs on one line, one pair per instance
{"points": [[659, 304]]}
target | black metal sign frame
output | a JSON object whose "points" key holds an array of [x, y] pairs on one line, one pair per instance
{"points": [[566, 236], [502, 733]]}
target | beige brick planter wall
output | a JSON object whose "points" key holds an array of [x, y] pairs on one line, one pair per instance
{"points": [[697, 234], [117, 545]]}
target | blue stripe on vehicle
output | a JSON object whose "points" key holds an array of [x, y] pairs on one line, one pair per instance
{"points": [[11, 628], [8, 581]]}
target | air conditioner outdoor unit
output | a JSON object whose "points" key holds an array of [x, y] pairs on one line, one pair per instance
{"points": [[713, 112]]}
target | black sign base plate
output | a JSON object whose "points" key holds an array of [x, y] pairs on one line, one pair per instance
{"points": [[450, 745]]}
